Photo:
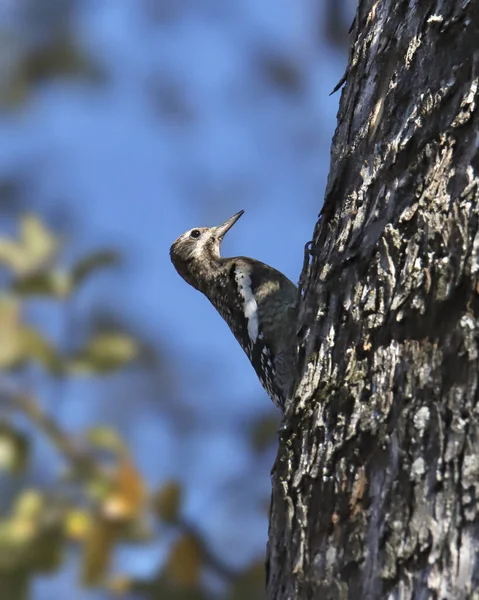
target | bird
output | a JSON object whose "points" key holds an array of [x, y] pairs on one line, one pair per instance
{"points": [[258, 303]]}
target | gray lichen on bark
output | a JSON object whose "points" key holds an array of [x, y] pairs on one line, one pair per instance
{"points": [[376, 484]]}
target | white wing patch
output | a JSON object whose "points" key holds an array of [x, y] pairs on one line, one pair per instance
{"points": [[249, 305]]}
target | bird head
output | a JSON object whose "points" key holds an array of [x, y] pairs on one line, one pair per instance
{"points": [[196, 252]]}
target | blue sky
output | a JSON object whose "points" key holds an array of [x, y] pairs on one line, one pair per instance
{"points": [[135, 175]]}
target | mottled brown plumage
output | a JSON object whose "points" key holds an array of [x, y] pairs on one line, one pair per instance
{"points": [[257, 302]]}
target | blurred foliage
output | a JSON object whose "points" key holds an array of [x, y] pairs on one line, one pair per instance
{"points": [[14, 449], [34, 534], [183, 567], [51, 57], [167, 502], [264, 432], [34, 248], [111, 503]]}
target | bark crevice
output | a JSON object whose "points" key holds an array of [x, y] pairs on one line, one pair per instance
{"points": [[376, 486]]}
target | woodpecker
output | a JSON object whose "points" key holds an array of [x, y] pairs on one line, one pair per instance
{"points": [[257, 302]]}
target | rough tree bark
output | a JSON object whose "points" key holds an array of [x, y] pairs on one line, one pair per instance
{"points": [[376, 485]]}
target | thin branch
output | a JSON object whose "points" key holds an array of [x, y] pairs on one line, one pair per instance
{"points": [[84, 464], [211, 559]]}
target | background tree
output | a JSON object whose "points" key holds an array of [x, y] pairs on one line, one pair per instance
{"points": [[375, 491]]}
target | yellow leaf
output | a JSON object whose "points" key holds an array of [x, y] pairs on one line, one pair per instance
{"points": [[40, 244], [34, 250], [167, 502], [106, 438], [19, 342], [22, 530], [97, 549], [77, 524], [105, 352], [30, 540], [116, 347], [7, 453], [184, 564], [12, 255], [10, 332], [128, 495]]}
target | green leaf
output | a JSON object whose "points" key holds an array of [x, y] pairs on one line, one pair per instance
{"points": [[139, 530], [98, 488], [30, 505], [106, 438], [15, 540], [14, 449], [60, 283], [38, 526], [92, 263], [29, 545], [31, 538], [46, 554], [168, 501], [19, 342], [56, 283], [37, 348], [105, 352]]}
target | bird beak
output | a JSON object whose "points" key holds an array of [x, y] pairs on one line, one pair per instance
{"points": [[221, 230]]}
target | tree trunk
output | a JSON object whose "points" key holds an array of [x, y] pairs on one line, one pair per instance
{"points": [[376, 485]]}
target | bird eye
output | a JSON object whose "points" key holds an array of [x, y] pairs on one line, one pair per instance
{"points": [[195, 233]]}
